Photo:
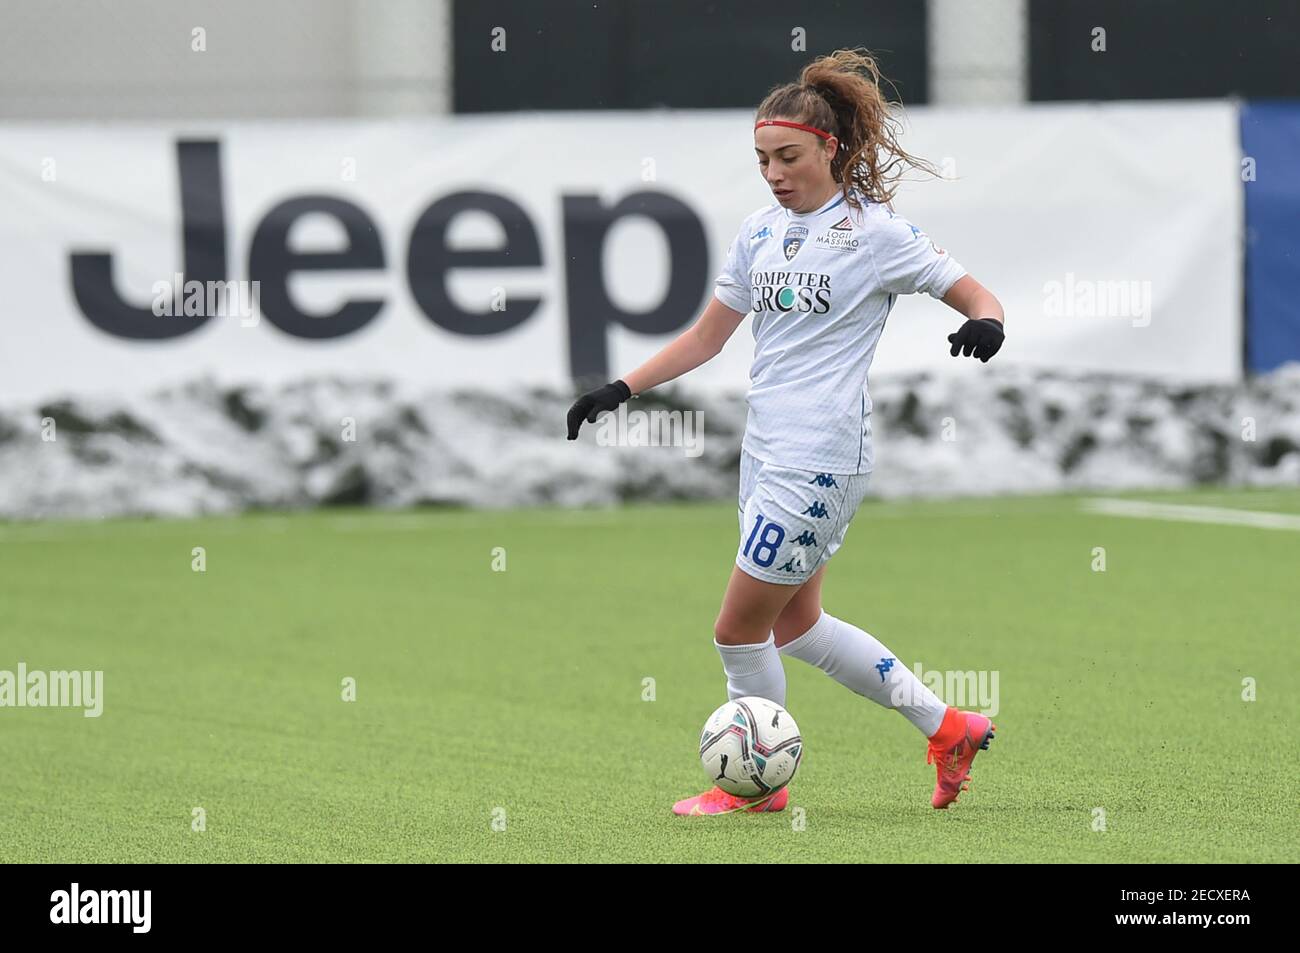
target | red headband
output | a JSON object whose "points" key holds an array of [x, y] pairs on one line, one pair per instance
{"points": [[793, 125]]}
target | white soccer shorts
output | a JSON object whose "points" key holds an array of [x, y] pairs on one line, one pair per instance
{"points": [[793, 521]]}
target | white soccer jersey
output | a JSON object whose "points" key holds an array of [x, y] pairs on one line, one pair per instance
{"points": [[820, 286]]}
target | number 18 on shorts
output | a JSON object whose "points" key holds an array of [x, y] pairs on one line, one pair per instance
{"points": [[792, 521]]}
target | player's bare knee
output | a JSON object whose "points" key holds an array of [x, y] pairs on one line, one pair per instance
{"points": [[724, 634], [731, 633]]}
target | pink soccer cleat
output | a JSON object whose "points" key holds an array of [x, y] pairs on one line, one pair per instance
{"points": [[718, 801], [952, 749]]}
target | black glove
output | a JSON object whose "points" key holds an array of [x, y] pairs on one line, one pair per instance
{"points": [[981, 337], [593, 402]]}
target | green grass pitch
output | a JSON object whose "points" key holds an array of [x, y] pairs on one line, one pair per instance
{"points": [[516, 697]]}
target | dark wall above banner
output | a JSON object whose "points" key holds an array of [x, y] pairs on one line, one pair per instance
{"points": [[1163, 49], [576, 54]]}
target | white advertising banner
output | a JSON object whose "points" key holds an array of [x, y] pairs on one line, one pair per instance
{"points": [[529, 249]]}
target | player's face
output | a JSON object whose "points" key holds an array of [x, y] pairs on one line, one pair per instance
{"points": [[795, 165]]}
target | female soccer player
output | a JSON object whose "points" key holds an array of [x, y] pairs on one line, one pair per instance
{"points": [[819, 269]]}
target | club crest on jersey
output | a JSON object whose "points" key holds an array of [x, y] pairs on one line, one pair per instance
{"points": [[795, 236]]}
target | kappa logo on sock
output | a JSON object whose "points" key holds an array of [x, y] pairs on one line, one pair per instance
{"points": [[884, 665]]}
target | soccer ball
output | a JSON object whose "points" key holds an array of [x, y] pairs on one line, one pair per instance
{"points": [[750, 747]]}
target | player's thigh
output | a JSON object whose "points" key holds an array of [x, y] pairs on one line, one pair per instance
{"points": [[750, 608], [801, 612]]}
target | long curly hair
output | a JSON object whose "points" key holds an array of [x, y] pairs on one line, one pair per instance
{"points": [[841, 93]]}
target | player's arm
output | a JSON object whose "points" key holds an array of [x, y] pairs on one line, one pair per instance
{"points": [[967, 296], [698, 344], [982, 334]]}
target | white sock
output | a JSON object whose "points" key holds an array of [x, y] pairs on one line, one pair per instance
{"points": [[754, 670], [858, 661]]}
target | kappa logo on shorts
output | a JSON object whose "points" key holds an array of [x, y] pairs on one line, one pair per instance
{"points": [[806, 538], [794, 565], [825, 479], [817, 510]]}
